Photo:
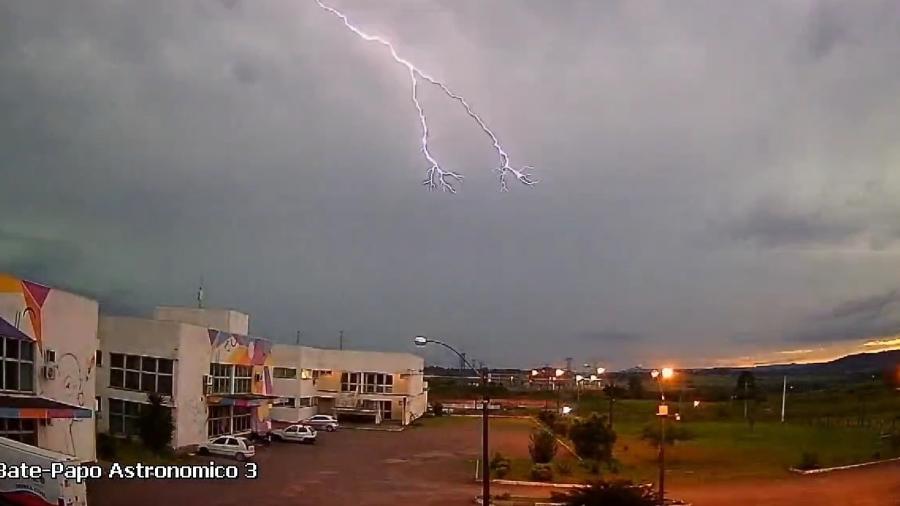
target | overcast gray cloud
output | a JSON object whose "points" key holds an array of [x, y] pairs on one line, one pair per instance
{"points": [[708, 169]]}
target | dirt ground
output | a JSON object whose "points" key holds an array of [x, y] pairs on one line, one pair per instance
{"points": [[434, 465]]}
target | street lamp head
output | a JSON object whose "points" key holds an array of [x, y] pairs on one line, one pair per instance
{"points": [[668, 372], [579, 377], [420, 340], [601, 370], [534, 372], [593, 377], [654, 374], [559, 372]]}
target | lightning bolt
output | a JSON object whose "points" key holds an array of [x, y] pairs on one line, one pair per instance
{"points": [[436, 176]]}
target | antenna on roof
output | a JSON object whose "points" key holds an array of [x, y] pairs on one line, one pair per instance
{"points": [[200, 294]]}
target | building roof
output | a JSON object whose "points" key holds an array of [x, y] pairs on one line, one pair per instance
{"points": [[9, 330]]}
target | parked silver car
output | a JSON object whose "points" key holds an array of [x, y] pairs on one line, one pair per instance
{"points": [[322, 422], [298, 433], [238, 448]]}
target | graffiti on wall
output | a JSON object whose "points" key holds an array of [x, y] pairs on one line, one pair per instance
{"points": [[34, 295], [244, 350]]}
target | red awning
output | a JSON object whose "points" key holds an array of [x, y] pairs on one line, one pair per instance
{"points": [[29, 406]]}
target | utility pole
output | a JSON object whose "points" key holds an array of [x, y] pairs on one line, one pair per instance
{"points": [[341, 341], [783, 398], [200, 295], [298, 338]]}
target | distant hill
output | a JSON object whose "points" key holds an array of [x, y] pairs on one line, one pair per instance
{"points": [[859, 363]]}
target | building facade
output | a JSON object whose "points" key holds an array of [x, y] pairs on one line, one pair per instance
{"points": [[218, 380], [214, 378], [366, 385], [48, 360]]}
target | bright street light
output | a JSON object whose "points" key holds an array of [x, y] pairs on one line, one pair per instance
{"points": [[668, 372], [534, 372], [559, 372], [593, 377], [601, 370], [579, 377], [654, 374], [420, 341]]}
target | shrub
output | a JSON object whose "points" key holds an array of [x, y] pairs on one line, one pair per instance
{"points": [[106, 447], [591, 466], [542, 447], [155, 424], [541, 472], [547, 417], [593, 438], [561, 426], [438, 409], [615, 493], [674, 433], [809, 460], [563, 467], [499, 465]]}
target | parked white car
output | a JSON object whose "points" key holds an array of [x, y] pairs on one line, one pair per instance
{"points": [[323, 422], [298, 433], [238, 448]]}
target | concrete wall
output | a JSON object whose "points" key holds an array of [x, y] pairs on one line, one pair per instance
{"points": [[187, 345], [67, 324], [226, 320]]}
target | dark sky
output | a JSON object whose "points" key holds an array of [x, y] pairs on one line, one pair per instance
{"points": [[719, 180]]}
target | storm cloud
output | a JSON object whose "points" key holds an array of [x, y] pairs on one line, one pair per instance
{"points": [[708, 169]]}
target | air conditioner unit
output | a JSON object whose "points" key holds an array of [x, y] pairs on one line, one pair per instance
{"points": [[49, 357], [209, 381], [49, 372]]}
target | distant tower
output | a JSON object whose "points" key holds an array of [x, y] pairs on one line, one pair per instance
{"points": [[200, 295], [568, 363]]}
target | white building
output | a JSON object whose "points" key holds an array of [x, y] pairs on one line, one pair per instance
{"points": [[362, 384], [47, 383], [215, 378], [218, 380]]}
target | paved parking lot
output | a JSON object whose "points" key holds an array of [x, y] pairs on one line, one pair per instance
{"points": [[420, 466]]}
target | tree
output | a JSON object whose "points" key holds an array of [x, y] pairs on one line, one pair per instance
{"points": [[635, 386], [592, 437], [612, 392], [156, 424], [543, 446], [604, 493]]}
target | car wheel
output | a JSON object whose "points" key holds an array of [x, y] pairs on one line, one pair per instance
{"points": [[203, 451], [330, 428], [240, 457]]}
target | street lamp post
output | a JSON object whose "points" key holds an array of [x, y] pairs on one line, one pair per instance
{"points": [[663, 413], [483, 374]]}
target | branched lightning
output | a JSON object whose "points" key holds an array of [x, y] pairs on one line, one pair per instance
{"points": [[436, 176]]}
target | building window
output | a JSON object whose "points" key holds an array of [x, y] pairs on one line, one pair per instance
{"points": [[221, 375], [351, 381], [144, 374], [368, 382], [20, 429], [240, 421], [99, 358], [307, 402], [243, 379], [219, 421], [228, 420], [306, 374], [285, 373], [123, 417], [318, 373], [16, 365]]}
